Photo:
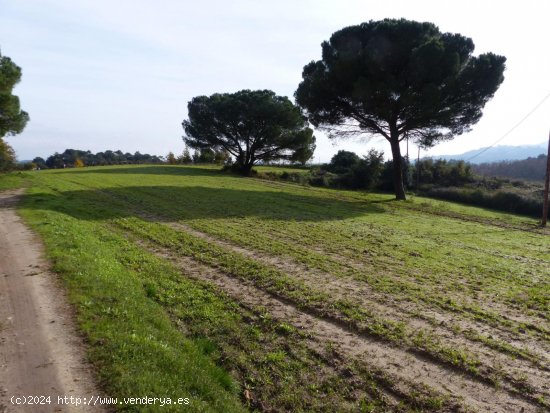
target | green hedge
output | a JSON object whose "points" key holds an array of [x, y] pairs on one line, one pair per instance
{"points": [[499, 200]]}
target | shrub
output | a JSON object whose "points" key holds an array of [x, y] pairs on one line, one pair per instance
{"points": [[342, 162], [320, 177], [499, 200], [28, 166], [443, 173], [364, 173], [7, 157]]}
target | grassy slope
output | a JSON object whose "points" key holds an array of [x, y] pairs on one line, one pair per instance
{"points": [[136, 346], [134, 305], [12, 180]]}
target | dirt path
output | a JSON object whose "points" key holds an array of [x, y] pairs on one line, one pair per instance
{"points": [[41, 353]]}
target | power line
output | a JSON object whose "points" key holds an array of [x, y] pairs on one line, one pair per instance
{"points": [[538, 105]]}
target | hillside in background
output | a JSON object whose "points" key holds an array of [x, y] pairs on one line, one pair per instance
{"points": [[498, 153], [531, 169]]}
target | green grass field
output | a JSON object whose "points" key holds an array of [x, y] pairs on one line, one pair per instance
{"points": [[251, 295]]}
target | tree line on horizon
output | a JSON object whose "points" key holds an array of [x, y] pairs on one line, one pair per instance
{"points": [[74, 158], [202, 156]]}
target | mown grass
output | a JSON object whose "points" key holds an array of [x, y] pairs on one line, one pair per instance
{"points": [[474, 265], [133, 343], [306, 297], [436, 248], [154, 332]]}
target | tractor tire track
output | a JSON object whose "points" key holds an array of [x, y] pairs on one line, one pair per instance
{"points": [[405, 366]]}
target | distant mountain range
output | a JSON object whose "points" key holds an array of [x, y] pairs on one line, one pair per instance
{"points": [[498, 153]]}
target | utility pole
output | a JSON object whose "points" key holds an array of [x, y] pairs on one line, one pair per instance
{"points": [[418, 169], [546, 185]]}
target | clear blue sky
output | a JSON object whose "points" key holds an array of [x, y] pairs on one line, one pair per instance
{"points": [[118, 74]]}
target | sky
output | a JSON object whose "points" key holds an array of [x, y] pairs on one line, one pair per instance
{"points": [[101, 75]]}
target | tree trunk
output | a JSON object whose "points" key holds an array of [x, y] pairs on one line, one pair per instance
{"points": [[397, 169], [245, 169]]}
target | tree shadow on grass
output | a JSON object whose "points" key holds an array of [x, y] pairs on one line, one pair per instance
{"points": [[150, 170], [168, 203]]}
